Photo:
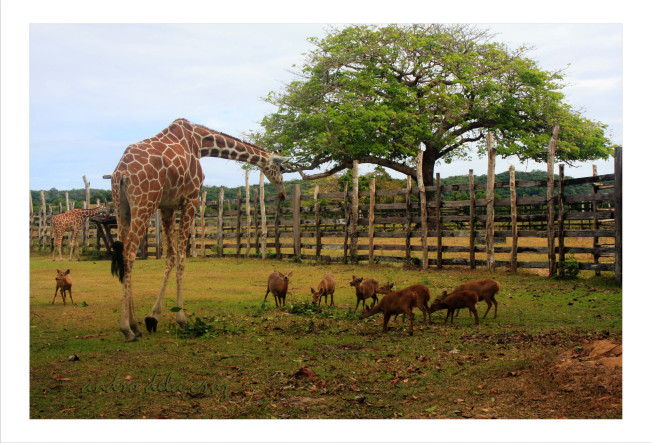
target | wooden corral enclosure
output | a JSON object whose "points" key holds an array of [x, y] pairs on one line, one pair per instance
{"points": [[400, 225]]}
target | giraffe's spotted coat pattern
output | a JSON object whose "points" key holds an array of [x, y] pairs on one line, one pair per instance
{"points": [[164, 172]]}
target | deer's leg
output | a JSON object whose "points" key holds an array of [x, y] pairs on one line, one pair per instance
{"points": [[187, 218], [488, 300], [411, 315], [475, 312], [386, 317], [55, 294], [356, 306], [493, 299], [70, 294], [167, 220]]}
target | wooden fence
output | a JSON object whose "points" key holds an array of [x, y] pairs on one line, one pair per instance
{"points": [[400, 225]]}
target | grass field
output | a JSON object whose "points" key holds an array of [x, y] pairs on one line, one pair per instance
{"points": [[262, 362]]}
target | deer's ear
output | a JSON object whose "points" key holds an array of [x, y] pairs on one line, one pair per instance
{"points": [[68, 271], [58, 272], [290, 275]]}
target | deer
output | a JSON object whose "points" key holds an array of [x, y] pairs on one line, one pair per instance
{"points": [[393, 303], [64, 283], [364, 290], [326, 286], [277, 284], [421, 293], [456, 300], [486, 290]]}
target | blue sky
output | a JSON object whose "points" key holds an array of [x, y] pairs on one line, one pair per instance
{"points": [[96, 88]]}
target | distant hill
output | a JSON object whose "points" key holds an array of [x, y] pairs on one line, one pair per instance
{"points": [[330, 184]]}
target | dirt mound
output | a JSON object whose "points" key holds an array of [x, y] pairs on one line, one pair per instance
{"points": [[582, 382]]}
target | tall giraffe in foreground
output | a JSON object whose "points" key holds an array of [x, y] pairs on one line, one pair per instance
{"points": [[164, 172], [72, 221]]}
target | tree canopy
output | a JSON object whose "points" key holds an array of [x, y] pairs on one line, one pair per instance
{"points": [[377, 93]]}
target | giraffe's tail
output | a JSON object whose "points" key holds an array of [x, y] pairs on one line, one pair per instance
{"points": [[118, 261]]}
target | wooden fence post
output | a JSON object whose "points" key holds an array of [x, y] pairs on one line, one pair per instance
{"points": [[296, 220], [372, 217], [424, 211], [491, 179], [87, 185], [277, 229], [144, 244], [41, 222], [157, 234], [263, 217], [596, 223], [560, 225], [355, 204], [317, 224], [257, 235], [550, 195], [514, 213], [438, 225], [67, 202], [238, 232], [202, 215], [220, 223], [347, 218], [248, 212], [471, 220], [31, 218], [618, 212], [408, 222]]}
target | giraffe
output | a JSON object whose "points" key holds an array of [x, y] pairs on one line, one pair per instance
{"points": [[72, 221], [164, 172]]}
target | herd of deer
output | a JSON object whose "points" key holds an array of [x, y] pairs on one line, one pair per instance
{"points": [[394, 303]]}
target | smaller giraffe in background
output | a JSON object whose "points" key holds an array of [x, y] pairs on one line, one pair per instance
{"points": [[72, 221]]}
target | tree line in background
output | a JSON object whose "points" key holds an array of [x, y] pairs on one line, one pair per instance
{"points": [[334, 183]]}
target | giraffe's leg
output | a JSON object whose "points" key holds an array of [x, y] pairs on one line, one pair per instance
{"points": [[139, 219], [73, 242], [167, 219], [187, 217]]}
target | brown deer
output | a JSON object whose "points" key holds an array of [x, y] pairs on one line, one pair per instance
{"points": [[64, 283], [421, 293], [277, 284], [364, 290], [456, 300], [486, 290], [391, 304], [326, 286]]}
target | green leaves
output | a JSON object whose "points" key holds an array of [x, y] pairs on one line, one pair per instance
{"points": [[377, 92]]}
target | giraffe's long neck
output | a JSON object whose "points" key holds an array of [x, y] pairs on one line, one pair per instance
{"points": [[223, 146], [91, 212]]}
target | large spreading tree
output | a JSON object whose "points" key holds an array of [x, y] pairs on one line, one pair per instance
{"points": [[376, 94]]}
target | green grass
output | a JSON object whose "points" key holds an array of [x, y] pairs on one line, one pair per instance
{"points": [[245, 365]]}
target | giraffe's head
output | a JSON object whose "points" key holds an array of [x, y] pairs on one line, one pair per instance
{"points": [[273, 170], [105, 209]]}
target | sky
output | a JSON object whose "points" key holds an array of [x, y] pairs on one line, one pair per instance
{"points": [[96, 88]]}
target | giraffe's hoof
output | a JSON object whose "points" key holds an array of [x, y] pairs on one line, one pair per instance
{"points": [[150, 324]]}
